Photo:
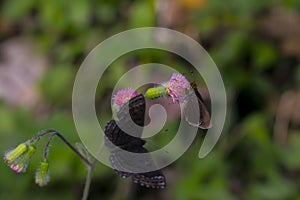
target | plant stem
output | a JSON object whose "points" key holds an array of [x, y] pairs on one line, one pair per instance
{"points": [[89, 175], [54, 132], [88, 181], [90, 164], [46, 151]]}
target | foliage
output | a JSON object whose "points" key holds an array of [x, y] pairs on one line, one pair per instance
{"points": [[257, 65]]}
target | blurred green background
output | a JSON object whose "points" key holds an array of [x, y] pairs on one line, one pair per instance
{"points": [[255, 44]]}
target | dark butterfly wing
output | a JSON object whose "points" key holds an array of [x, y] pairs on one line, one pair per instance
{"points": [[153, 179], [122, 140], [120, 162], [137, 108], [118, 166], [136, 113], [119, 138], [122, 165], [204, 122]]}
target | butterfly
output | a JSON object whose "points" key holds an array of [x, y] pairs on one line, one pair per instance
{"points": [[114, 135], [204, 122]]}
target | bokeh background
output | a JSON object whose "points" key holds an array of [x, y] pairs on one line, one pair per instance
{"points": [[255, 44]]}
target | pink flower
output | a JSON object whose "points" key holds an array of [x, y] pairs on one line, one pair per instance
{"points": [[177, 86], [123, 96]]}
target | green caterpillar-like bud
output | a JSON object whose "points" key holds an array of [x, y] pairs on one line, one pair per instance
{"points": [[156, 92]]}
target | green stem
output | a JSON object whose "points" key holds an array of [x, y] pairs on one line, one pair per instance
{"points": [[88, 179], [90, 164]]}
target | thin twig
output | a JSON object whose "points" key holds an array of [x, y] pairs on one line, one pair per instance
{"points": [[54, 132], [46, 151], [90, 164]]}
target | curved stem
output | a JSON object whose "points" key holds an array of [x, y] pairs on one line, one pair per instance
{"points": [[46, 151], [90, 164], [54, 132]]}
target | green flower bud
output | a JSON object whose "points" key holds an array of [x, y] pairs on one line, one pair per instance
{"points": [[42, 177], [155, 92], [15, 154], [20, 164]]}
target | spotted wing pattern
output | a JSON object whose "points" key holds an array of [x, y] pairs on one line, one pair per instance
{"points": [[113, 134]]}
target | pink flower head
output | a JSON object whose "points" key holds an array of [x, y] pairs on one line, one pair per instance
{"points": [[177, 86], [123, 96], [19, 168]]}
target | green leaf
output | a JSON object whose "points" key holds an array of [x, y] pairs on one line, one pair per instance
{"points": [[142, 14], [264, 55], [16, 10], [289, 154], [56, 85], [276, 187]]}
